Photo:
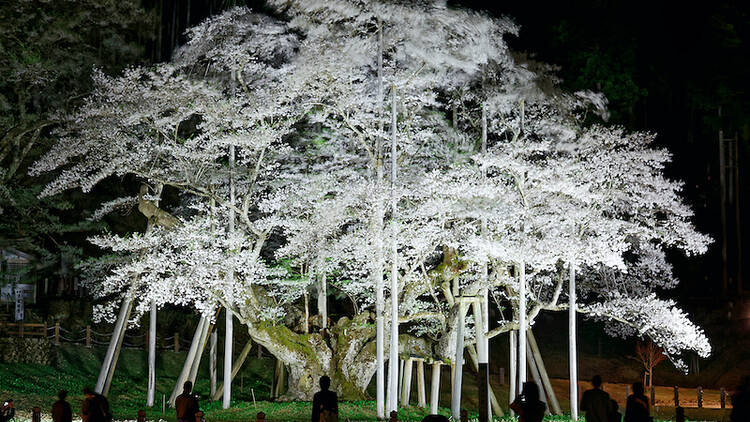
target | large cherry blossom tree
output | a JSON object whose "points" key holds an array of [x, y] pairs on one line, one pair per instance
{"points": [[308, 107]]}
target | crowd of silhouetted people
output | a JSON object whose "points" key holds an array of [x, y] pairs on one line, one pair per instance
{"points": [[596, 404]]}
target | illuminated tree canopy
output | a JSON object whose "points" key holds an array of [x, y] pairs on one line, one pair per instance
{"points": [[299, 101]]}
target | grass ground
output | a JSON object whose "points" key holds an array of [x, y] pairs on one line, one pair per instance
{"points": [[76, 367]]}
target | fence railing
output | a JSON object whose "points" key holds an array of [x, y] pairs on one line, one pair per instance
{"points": [[23, 329], [87, 336]]}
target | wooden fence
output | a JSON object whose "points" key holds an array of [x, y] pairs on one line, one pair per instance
{"points": [[86, 336], [23, 329]]}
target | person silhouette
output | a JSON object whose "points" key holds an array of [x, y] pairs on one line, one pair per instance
{"points": [[741, 402], [595, 402], [61, 411], [679, 414], [325, 403], [636, 409], [95, 407], [7, 411], [527, 405], [186, 405]]}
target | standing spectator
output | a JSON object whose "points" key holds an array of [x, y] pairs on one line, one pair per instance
{"points": [[741, 402], [595, 402], [527, 405], [95, 407], [61, 411], [325, 403], [7, 411], [636, 409], [186, 404]]}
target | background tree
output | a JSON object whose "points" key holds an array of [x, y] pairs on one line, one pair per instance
{"points": [[649, 355], [47, 53]]}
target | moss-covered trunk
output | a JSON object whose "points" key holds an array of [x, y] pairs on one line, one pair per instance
{"points": [[345, 352]]}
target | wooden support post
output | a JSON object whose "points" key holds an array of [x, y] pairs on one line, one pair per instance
{"points": [[406, 388], [176, 342], [235, 367], [700, 397], [282, 380], [435, 390], [278, 375], [36, 414], [141, 416], [723, 397], [464, 415], [88, 336], [57, 334], [676, 396], [421, 394], [535, 376], [556, 409], [400, 377], [494, 402], [453, 375]]}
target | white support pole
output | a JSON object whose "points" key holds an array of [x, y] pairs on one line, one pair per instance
{"points": [[117, 333], [421, 394], [393, 356], [199, 353], [113, 351], [406, 389], [543, 372], [235, 368], [535, 376], [522, 326], [485, 311], [151, 356], [513, 381], [378, 273], [323, 301], [228, 360], [212, 360], [229, 322], [185, 373], [459, 361], [483, 373], [435, 390], [573, 362]]}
